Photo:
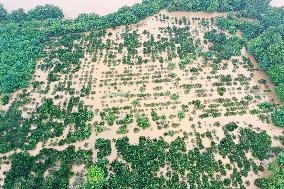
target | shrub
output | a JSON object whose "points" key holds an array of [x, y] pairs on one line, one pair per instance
{"points": [[278, 118], [95, 178], [280, 92], [230, 126], [143, 121]]}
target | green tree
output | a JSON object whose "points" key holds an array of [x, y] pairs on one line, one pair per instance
{"points": [[276, 73], [278, 118], [143, 121], [46, 12], [268, 49], [280, 92], [276, 178], [95, 178], [181, 115], [3, 13], [18, 15]]}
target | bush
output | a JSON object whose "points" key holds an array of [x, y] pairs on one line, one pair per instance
{"points": [[278, 118], [95, 178], [104, 147], [230, 126], [143, 121], [280, 92]]}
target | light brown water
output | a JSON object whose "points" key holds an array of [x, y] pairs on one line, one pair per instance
{"points": [[108, 96], [72, 8]]}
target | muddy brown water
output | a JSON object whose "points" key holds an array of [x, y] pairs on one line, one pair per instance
{"points": [[101, 98]]}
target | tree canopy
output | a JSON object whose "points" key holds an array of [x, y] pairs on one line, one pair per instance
{"points": [[43, 12], [23, 38]]}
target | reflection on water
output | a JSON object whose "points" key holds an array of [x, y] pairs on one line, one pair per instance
{"points": [[72, 8]]}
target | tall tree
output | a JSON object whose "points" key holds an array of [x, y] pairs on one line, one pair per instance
{"points": [[46, 12], [18, 15], [3, 13]]}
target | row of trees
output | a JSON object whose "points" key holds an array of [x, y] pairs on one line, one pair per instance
{"points": [[253, 7], [49, 121], [268, 49], [28, 40], [265, 41], [138, 164], [127, 15], [41, 12], [22, 38], [20, 46], [29, 171], [22, 43]]}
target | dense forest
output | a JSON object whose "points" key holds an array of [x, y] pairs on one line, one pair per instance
{"points": [[23, 39]]}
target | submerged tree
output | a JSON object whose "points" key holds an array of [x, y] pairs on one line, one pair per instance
{"points": [[95, 178]]}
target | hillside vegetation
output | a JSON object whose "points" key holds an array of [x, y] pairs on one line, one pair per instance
{"points": [[163, 94]]}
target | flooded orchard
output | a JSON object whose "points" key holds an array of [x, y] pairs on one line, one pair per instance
{"points": [[156, 79]]}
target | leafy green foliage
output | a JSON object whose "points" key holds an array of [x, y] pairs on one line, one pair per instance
{"points": [[181, 115], [274, 16], [275, 180], [18, 15], [278, 118], [48, 121], [142, 121], [230, 126], [280, 92], [20, 46], [276, 74], [259, 143], [221, 91], [95, 177], [23, 37], [45, 12], [224, 46], [267, 49], [104, 146], [139, 164], [29, 171], [3, 13]]}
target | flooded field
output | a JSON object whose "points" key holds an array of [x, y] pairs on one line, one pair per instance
{"points": [[137, 84]]}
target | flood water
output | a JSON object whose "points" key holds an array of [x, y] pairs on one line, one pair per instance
{"points": [[72, 8]]}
